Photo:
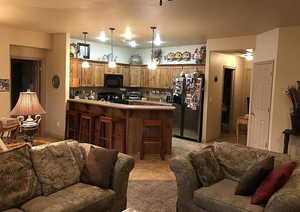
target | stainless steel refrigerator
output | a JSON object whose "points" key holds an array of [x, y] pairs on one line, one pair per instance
{"points": [[188, 97]]}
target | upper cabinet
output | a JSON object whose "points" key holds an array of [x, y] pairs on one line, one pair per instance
{"points": [[136, 76], [99, 70], [133, 75], [75, 74]]}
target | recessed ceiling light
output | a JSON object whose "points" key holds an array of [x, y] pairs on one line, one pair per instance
{"points": [[133, 43], [102, 37], [128, 35]]}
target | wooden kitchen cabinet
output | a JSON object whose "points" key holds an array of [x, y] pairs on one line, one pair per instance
{"points": [[165, 76], [87, 76], [154, 78], [145, 78], [126, 75], [75, 73], [99, 70], [136, 76]]}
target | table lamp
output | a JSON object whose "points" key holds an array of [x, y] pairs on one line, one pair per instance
{"points": [[28, 105]]}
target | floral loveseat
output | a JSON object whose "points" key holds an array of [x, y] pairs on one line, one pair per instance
{"points": [[47, 179], [234, 160]]}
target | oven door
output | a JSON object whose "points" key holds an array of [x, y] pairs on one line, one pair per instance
{"points": [[113, 81]]}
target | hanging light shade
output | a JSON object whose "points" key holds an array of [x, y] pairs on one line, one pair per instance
{"points": [[112, 63], [85, 64], [152, 65]]}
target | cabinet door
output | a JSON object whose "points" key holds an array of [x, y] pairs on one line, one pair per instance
{"points": [[154, 78], [74, 73], [165, 77], [99, 70], [135, 76], [87, 76], [145, 77], [126, 75], [188, 69]]}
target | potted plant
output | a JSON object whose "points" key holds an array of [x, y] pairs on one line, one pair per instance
{"points": [[294, 94]]}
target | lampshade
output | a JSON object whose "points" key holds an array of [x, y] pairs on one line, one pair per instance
{"points": [[28, 104]]}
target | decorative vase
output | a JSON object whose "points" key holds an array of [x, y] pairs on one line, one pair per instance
{"points": [[295, 119]]}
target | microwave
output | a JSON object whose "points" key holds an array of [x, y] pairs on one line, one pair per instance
{"points": [[113, 81]]}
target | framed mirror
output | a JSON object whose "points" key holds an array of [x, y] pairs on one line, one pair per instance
{"points": [[55, 81]]}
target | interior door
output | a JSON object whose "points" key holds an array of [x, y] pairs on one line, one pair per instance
{"points": [[260, 105]]}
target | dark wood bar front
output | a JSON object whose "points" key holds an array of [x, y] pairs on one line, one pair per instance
{"points": [[128, 124]]}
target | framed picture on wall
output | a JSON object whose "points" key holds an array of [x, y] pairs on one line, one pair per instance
{"points": [[83, 50], [4, 85]]}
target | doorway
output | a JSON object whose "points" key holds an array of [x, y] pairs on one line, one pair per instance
{"points": [[227, 100], [25, 74]]}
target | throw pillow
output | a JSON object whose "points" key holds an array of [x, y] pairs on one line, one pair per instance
{"points": [[99, 165], [55, 166], [18, 182], [207, 167], [252, 178], [275, 180]]}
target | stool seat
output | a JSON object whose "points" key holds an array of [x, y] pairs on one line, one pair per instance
{"points": [[158, 139]]}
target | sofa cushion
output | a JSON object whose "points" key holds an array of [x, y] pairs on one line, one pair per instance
{"points": [[99, 166], [13, 210], [275, 180], [207, 167], [252, 178], [18, 181], [78, 153], [78, 197], [55, 166], [221, 197]]}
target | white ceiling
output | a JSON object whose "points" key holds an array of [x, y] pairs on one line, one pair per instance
{"points": [[180, 21]]}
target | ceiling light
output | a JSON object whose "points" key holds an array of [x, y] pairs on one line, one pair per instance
{"points": [[102, 37], [85, 64], [152, 65], [128, 35], [157, 40], [132, 44], [248, 57], [112, 62]]}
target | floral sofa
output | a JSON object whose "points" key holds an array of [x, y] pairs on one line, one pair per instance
{"points": [[46, 178], [234, 160]]}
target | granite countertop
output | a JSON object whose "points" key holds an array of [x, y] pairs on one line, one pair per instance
{"points": [[151, 106]]}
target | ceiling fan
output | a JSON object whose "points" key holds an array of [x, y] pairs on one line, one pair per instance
{"points": [[161, 2]]}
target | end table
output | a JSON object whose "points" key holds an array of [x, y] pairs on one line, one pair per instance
{"points": [[287, 134]]}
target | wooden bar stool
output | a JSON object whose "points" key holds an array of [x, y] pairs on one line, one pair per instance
{"points": [[106, 133], [72, 122], [86, 126], [152, 140]]}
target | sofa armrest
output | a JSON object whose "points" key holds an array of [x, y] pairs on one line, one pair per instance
{"points": [[123, 166], [186, 178], [287, 198]]}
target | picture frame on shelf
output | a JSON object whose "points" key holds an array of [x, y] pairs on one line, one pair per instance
{"points": [[83, 50], [4, 85]]}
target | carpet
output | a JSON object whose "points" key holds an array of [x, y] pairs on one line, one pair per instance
{"points": [[152, 195]]}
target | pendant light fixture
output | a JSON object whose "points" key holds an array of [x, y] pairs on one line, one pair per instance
{"points": [[112, 62], [85, 64], [152, 64]]}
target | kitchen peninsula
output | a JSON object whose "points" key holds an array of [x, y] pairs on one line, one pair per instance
{"points": [[128, 129]]}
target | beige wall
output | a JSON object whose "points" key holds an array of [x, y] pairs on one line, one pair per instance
{"points": [[212, 96], [10, 36], [57, 64], [287, 73]]}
